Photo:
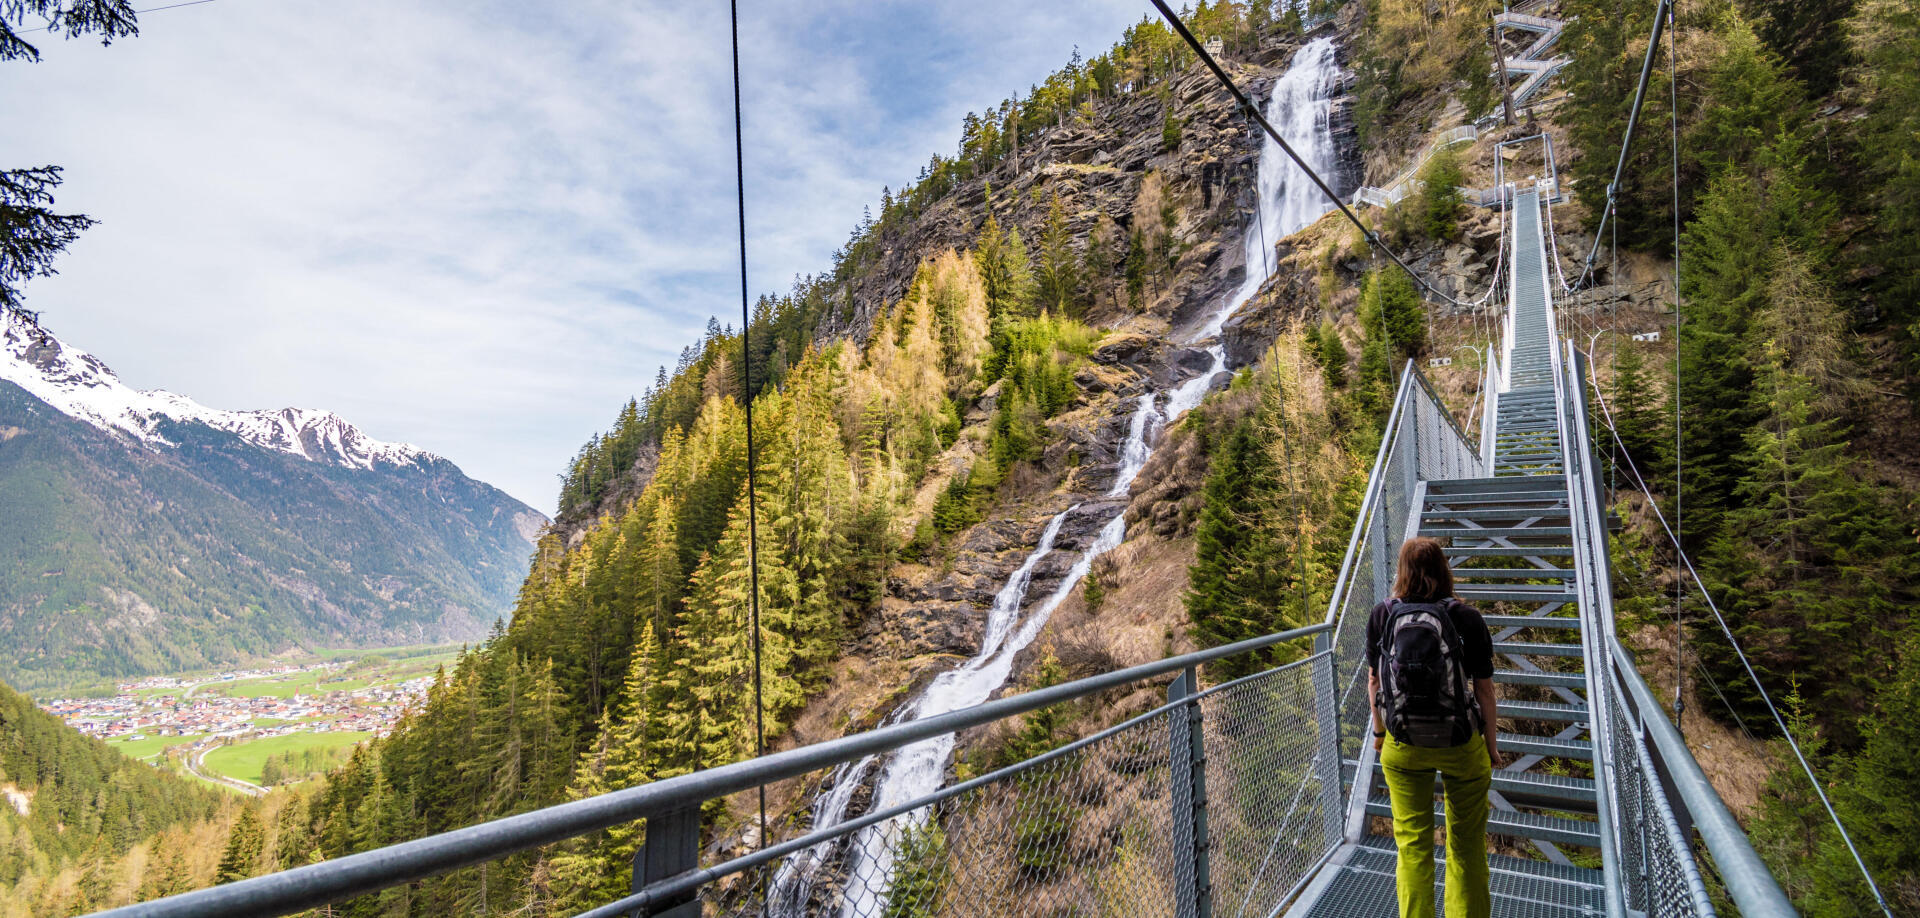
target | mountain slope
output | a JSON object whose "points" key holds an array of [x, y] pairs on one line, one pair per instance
{"points": [[147, 532]]}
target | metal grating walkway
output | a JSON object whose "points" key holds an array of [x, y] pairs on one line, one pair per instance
{"points": [[1364, 886], [1510, 538]]}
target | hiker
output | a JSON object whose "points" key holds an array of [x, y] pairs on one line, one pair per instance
{"points": [[1430, 675]]}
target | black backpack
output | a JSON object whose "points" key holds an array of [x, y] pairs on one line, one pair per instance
{"points": [[1425, 696]]}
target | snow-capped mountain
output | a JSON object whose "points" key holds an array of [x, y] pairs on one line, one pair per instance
{"points": [[83, 387], [144, 532]]}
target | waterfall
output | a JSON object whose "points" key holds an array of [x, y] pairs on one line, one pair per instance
{"points": [[1286, 201]]}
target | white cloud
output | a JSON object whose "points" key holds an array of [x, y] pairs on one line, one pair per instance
{"points": [[480, 227]]}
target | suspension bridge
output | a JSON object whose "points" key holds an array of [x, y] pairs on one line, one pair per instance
{"points": [[1259, 796]]}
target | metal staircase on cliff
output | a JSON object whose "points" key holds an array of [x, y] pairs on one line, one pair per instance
{"points": [[1537, 69]]}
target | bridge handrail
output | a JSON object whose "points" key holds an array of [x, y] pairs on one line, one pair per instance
{"points": [[316, 885], [1397, 187], [1414, 446], [1490, 405], [1370, 500], [692, 880], [1434, 394], [1595, 603], [1747, 880], [1687, 799]]}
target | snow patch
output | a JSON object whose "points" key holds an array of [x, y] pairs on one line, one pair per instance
{"points": [[82, 387]]}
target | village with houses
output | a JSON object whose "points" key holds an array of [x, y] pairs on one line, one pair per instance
{"points": [[219, 726]]}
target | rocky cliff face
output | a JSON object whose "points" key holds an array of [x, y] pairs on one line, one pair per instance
{"points": [[1098, 171], [936, 611]]}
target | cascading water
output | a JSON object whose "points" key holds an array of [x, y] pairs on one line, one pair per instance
{"points": [[1286, 202]]}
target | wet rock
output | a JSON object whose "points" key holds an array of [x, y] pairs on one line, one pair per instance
{"points": [[1190, 361], [1097, 445], [1130, 349], [1083, 526], [1048, 573], [994, 536], [914, 629], [1291, 298]]}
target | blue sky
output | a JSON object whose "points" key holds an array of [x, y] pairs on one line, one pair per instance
{"points": [[479, 227]]}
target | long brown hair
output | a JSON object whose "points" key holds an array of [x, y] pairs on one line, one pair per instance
{"points": [[1424, 574]]}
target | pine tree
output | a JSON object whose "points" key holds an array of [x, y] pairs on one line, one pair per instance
{"points": [[1750, 101], [1059, 277], [1812, 556], [955, 508], [37, 235], [1886, 32], [717, 626], [1021, 288], [1232, 582], [1136, 269], [1277, 501], [292, 842], [962, 314], [1016, 433], [989, 252], [590, 871], [1099, 264], [1810, 35], [1392, 312], [1039, 731], [1331, 353], [1641, 417], [1606, 40], [810, 499], [1739, 222], [244, 843], [1875, 800], [1374, 395], [1441, 204]]}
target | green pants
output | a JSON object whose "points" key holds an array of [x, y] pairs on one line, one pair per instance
{"points": [[1468, 773]]}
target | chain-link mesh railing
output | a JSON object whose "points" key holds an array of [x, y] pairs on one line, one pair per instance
{"points": [[1086, 831], [1660, 874], [1444, 449], [1273, 795], [1108, 825], [1422, 442]]}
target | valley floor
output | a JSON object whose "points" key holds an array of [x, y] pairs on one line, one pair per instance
{"points": [[223, 726]]}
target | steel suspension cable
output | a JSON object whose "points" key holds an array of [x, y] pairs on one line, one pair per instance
{"points": [[1246, 104], [746, 397], [1642, 571], [1679, 490], [1626, 141], [1741, 653]]}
